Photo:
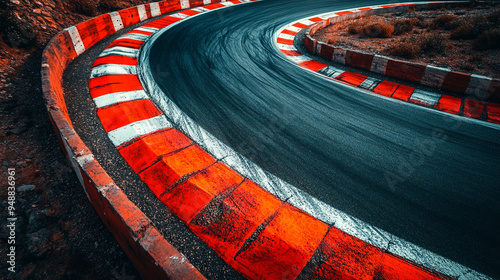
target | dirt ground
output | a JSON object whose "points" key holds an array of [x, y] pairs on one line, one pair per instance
{"points": [[58, 234], [427, 40]]}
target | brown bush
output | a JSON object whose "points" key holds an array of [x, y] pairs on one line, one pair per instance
{"points": [[433, 43], [463, 30], [406, 49], [490, 39], [378, 29], [114, 5], [443, 20], [403, 25]]}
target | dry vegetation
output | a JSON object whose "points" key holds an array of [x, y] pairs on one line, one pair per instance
{"points": [[465, 39]]}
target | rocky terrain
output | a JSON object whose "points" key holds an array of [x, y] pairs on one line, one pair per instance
{"points": [[58, 234]]}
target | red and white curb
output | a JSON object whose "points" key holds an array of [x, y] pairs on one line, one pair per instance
{"points": [[152, 255], [260, 225], [473, 85]]}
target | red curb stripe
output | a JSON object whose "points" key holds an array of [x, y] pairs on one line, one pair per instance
{"points": [[493, 111], [113, 83], [352, 78], [169, 6], [289, 32], [146, 151], [449, 104], [162, 175], [405, 71], [326, 52], [118, 115], [214, 6], [455, 81], [300, 25], [396, 268], [129, 16], [473, 108], [403, 92], [345, 257], [343, 13], [240, 214], [190, 197], [364, 9], [142, 32], [313, 65], [96, 29], [283, 248], [386, 88], [285, 41], [115, 59], [129, 43], [356, 59], [189, 12], [316, 19], [163, 22]]}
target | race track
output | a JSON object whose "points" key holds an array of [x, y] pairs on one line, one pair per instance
{"points": [[428, 177]]}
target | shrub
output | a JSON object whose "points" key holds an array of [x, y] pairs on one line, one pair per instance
{"points": [[490, 39], [378, 29], [463, 31], [433, 43], [404, 25], [443, 20], [405, 49]]}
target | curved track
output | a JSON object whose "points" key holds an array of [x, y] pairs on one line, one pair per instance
{"points": [[425, 176]]}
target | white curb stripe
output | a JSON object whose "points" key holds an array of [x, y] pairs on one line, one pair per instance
{"points": [[117, 97], [134, 36], [286, 47], [131, 131], [141, 9], [147, 29], [185, 4], [123, 51], [427, 97], [155, 9], [77, 40], [116, 18], [113, 69]]}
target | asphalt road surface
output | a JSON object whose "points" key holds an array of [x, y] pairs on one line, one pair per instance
{"points": [[425, 176]]}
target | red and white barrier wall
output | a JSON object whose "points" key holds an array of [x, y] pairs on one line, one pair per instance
{"points": [[151, 254], [474, 88]]}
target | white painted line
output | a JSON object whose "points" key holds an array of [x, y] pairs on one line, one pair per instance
{"points": [[155, 9], [299, 58], [147, 29], [77, 40], [370, 83], [134, 36], [200, 9], [427, 97], [306, 22], [286, 36], [123, 51], [116, 18], [141, 9], [131, 131], [294, 28], [331, 72], [286, 47], [206, 2], [117, 97], [113, 69], [179, 15]]}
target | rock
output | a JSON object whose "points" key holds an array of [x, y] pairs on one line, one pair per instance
{"points": [[38, 242], [37, 11], [37, 219], [15, 2], [26, 188], [19, 130]]}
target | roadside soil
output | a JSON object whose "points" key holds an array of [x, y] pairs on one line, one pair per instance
{"points": [[465, 39], [58, 233]]}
